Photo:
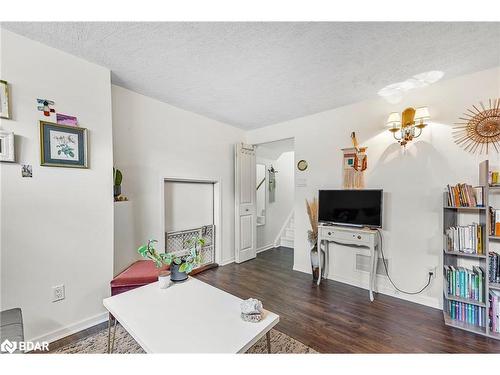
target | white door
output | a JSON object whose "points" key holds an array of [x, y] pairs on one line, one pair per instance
{"points": [[245, 202]]}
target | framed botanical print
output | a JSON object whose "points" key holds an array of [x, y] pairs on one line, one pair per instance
{"points": [[63, 145], [4, 100]]}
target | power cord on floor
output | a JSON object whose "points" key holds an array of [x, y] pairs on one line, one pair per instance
{"points": [[387, 270]]}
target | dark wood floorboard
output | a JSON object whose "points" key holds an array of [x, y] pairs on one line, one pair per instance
{"points": [[339, 318]]}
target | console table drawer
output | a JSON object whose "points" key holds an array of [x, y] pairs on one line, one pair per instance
{"points": [[333, 235]]}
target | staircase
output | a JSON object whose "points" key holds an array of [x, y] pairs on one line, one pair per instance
{"points": [[288, 234]]}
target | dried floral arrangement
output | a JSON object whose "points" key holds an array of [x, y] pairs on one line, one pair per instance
{"points": [[312, 212]]}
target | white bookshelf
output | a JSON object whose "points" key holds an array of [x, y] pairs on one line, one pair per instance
{"points": [[451, 217]]}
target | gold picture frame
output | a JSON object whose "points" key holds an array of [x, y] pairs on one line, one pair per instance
{"points": [[4, 100], [58, 147]]}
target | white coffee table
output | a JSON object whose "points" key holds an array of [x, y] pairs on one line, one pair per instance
{"points": [[187, 317]]}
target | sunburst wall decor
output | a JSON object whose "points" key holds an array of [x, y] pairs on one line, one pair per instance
{"points": [[479, 128]]}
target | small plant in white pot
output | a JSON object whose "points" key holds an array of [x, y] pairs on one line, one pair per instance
{"points": [[181, 264]]}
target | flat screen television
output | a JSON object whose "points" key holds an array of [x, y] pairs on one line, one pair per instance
{"points": [[362, 208]]}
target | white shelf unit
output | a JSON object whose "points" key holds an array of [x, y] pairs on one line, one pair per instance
{"points": [[451, 218]]}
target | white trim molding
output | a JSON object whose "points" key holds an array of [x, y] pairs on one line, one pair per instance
{"points": [[71, 329], [265, 248]]}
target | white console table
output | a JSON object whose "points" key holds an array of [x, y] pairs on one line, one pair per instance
{"points": [[349, 236]]}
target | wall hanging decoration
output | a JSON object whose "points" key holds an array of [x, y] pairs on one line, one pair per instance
{"points": [[63, 145], [4, 100], [355, 164], [7, 149], [272, 183], [26, 170], [302, 165], [66, 119], [44, 105], [479, 128]]}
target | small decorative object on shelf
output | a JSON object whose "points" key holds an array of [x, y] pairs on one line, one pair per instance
{"points": [[181, 264], [117, 185], [479, 128]]}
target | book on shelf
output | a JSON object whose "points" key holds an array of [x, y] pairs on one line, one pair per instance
{"points": [[463, 195], [465, 312], [465, 239], [494, 267], [465, 283], [494, 311]]}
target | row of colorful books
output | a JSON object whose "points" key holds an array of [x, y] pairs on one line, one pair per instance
{"points": [[494, 311], [466, 239], [465, 312], [494, 218], [494, 267], [463, 195], [465, 283]]}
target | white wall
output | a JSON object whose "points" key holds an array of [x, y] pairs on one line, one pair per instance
{"points": [[188, 205], [57, 227], [153, 140], [278, 211], [413, 181]]}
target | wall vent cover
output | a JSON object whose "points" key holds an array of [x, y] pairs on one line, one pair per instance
{"points": [[363, 264]]}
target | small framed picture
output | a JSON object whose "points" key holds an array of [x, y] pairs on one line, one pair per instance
{"points": [[63, 145], [7, 150], [26, 170], [4, 100]]}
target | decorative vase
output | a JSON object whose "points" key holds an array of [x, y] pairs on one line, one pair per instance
{"points": [[315, 259], [117, 190], [175, 274]]}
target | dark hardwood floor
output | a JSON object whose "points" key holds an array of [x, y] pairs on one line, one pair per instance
{"points": [[339, 318]]}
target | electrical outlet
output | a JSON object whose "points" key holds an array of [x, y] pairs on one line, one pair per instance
{"points": [[58, 293], [432, 269]]}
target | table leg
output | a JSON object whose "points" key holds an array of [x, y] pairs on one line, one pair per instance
{"points": [[112, 344], [109, 331], [327, 259], [373, 273], [268, 338]]}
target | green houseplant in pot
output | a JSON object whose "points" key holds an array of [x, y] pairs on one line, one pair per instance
{"points": [[117, 182], [181, 263]]}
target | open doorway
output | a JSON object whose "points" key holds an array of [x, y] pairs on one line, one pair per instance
{"points": [[275, 184]]}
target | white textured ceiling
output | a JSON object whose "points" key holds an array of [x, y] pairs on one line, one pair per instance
{"points": [[256, 74]]}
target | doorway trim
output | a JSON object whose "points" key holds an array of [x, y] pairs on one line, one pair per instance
{"points": [[217, 197]]}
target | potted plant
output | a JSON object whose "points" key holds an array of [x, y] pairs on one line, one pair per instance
{"points": [[117, 184], [181, 263]]}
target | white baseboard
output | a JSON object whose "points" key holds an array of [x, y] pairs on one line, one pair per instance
{"points": [[226, 262], [264, 248], [71, 329], [420, 299]]}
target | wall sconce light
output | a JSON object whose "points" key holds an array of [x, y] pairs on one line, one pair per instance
{"points": [[408, 125]]}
